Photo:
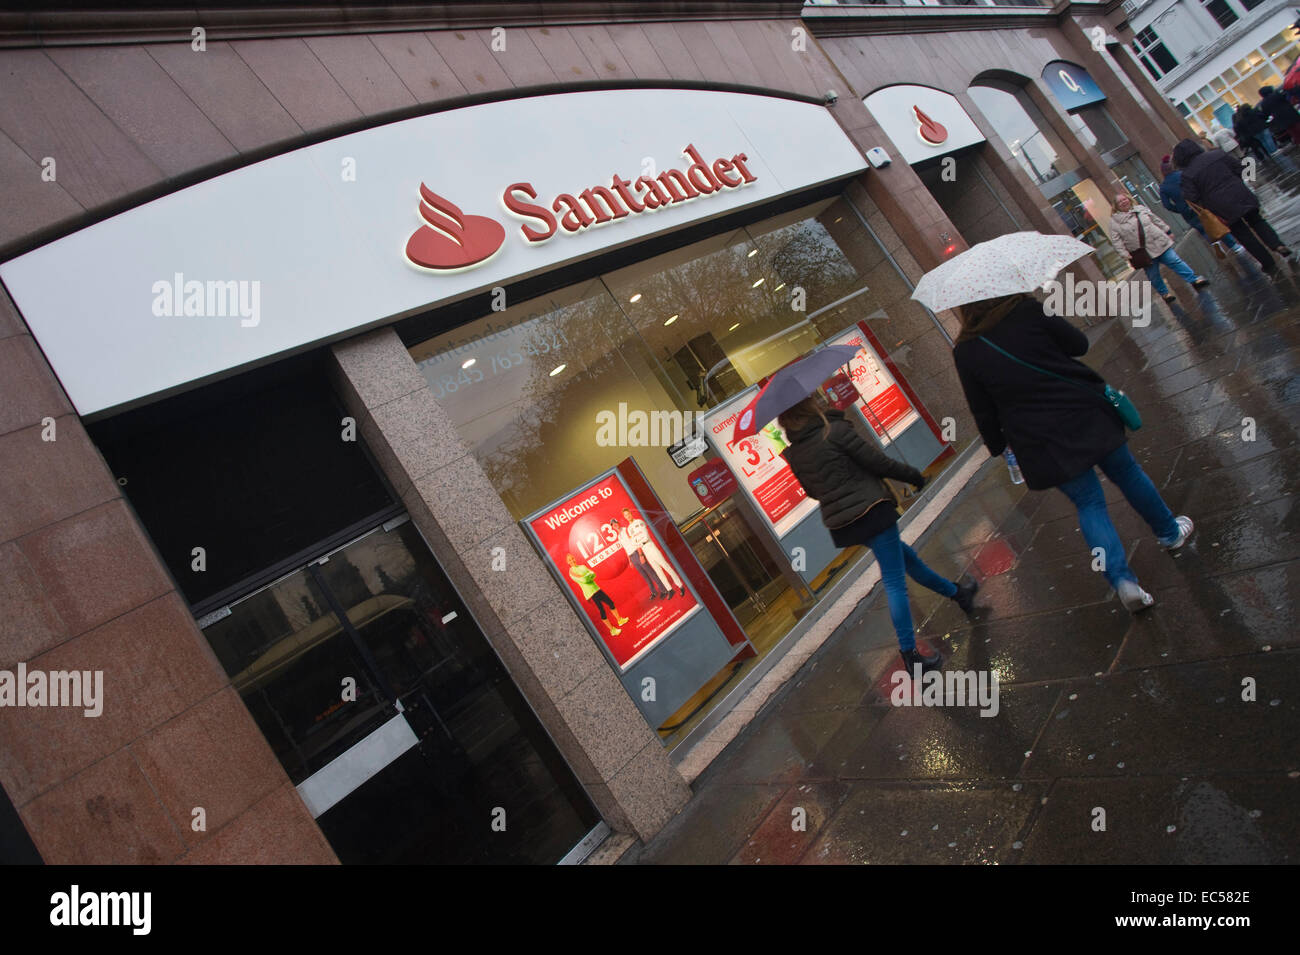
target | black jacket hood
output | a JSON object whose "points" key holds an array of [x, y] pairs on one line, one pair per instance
{"points": [[1186, 151]]}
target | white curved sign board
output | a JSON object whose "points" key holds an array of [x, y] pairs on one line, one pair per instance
{"points": [[922, 122], [327, 240]]}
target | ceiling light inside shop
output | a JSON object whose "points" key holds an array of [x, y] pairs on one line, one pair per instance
{"points": [[840, 219], [556, 371], [779, 287], [752, 253], [468, 363], [635, 298], [734, 327], [758, 283], [671, 320]]}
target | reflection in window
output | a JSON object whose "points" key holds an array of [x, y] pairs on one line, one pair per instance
{"points": [[1018, 131], [673, 335]]}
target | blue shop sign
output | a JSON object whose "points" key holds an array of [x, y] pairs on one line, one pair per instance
{"points": [[1071, 85]]}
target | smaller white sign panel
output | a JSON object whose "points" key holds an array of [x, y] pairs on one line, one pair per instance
{"points": [[922, 122]]}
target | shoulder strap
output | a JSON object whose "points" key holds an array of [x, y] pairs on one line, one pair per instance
{"points": [[1041, 371]]}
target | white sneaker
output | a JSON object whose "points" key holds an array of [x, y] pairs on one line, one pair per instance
{"points": [[1185, 528], [1133, 597]]}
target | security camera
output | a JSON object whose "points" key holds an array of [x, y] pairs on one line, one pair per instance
{"points": [[832, 97]]}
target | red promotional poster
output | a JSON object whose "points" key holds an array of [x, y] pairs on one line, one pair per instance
{"points": [[759, 468], [877, 395], [616, 567], [713, 482]]}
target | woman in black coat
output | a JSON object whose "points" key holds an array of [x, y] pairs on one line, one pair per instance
{"points": [[1060, 430], [842, 472], [1213, 180], [1282, 117]]}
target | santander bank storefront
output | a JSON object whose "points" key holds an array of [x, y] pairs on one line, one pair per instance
{"points": [[432, 424]]}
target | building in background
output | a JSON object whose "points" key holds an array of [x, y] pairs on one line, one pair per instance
{"points": [[340, 355], [1210, 56]]}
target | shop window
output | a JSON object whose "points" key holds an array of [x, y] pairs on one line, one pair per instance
{"points": [[1250, 4], [1018, 130], [1276, 45], [657, 342], [1223, 14], [1105, 134]]}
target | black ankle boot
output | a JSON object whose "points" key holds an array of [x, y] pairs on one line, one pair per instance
{"points": [[914, 658], [965, 596]]}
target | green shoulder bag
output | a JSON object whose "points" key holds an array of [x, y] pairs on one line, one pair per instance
{"points": [[1121, 402]]}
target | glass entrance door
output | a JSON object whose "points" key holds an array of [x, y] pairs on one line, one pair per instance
{"points": [[391, 714]]}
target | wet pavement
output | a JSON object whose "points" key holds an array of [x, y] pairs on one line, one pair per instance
{"points": [[1166, 737]]}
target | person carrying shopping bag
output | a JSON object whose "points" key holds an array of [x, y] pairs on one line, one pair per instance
{"points": [[1171, 197], [1148, 244], [843, 473], [1213, 180], [1019, 369]]}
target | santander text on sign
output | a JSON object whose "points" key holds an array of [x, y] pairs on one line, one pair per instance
{"points": [[600, 204]]}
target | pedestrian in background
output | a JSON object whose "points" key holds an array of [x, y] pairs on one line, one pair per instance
{"points": [[1020, 371], [1148, 244], [1251, 130], [842, 472], [1281, 116], [1171, 197], [1223, 138], [1213, 180]]}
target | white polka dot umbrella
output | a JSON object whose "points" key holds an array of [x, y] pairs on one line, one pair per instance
{"points": [[1008, 265]]}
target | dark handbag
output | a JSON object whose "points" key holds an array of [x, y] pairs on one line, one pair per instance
{"points": [[1119, 401], [1141, 258]]}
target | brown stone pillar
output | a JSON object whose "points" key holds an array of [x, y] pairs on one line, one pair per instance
{"points": [[549, 653], [81, 589], [1174, 121]]}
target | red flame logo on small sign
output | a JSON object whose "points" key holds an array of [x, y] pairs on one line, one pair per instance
{"points": [[931, 133], [451, 240]]}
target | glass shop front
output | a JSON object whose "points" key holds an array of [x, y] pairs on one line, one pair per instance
{"points": [[642, 371]]}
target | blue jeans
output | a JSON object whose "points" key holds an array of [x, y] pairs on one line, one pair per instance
{"points": [[898, 562], [1094, 520], [1170, 260], [1266, 137]]}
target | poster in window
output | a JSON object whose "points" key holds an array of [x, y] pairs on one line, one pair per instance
{"points": [[616, 567], [881, 402], [758, 466]]}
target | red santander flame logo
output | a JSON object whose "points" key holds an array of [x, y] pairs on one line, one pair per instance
{"points": [[451, 240], [931, 133]]}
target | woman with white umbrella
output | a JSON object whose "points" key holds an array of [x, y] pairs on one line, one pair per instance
{"points": [[1027, 389]]}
